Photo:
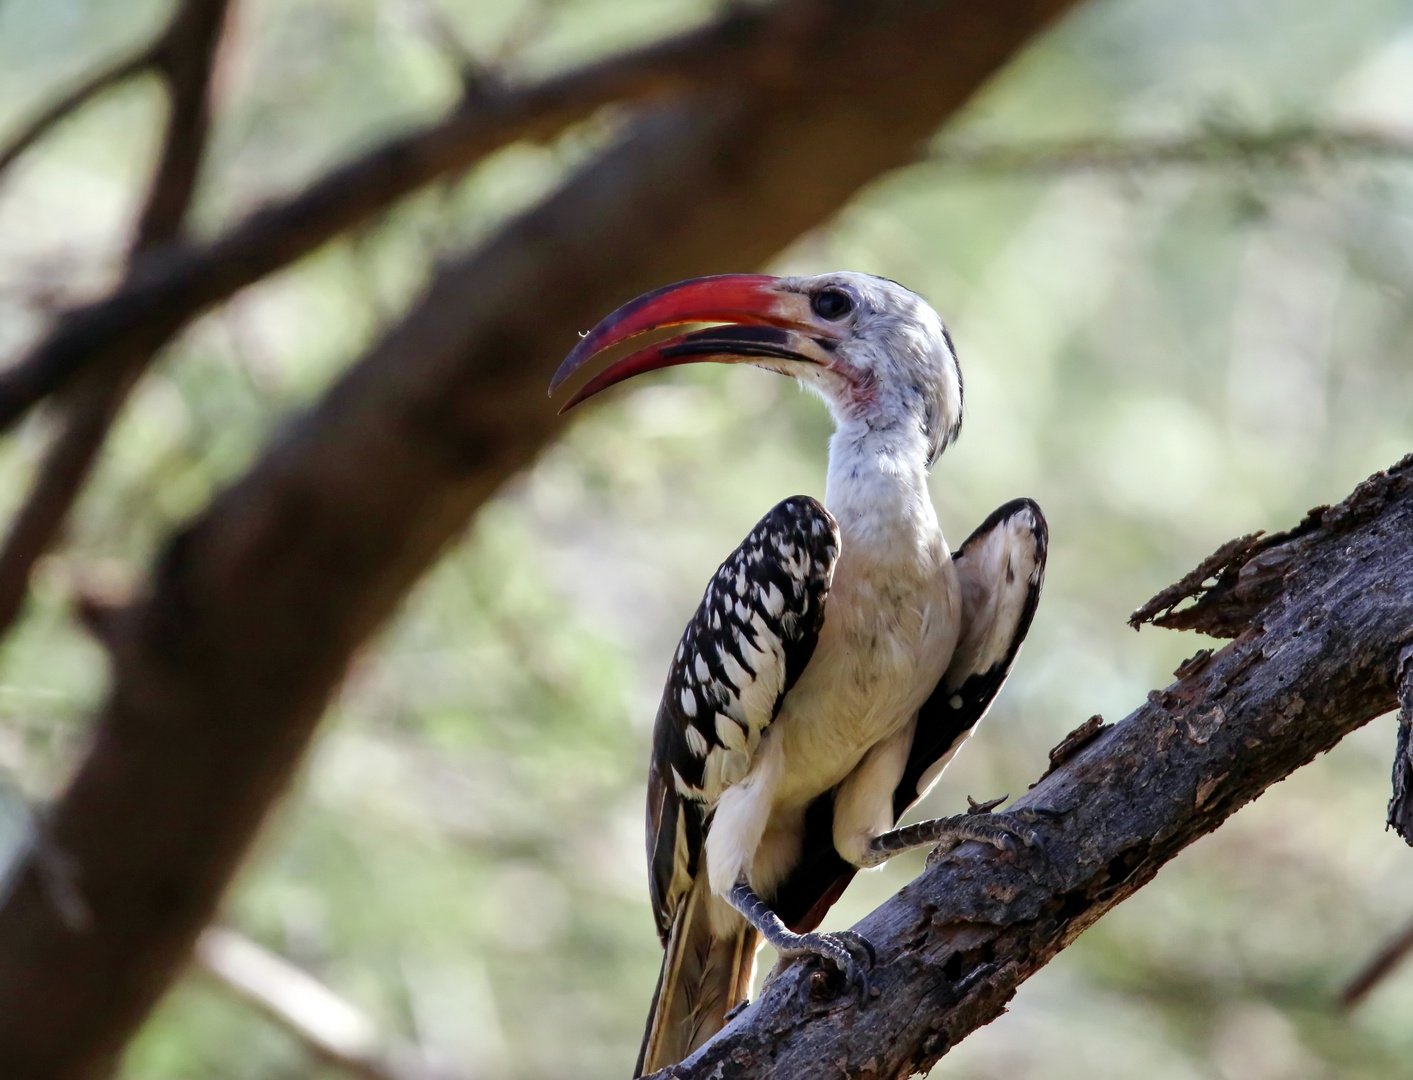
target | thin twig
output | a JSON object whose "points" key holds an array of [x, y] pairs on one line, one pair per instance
{"points": [[433, 24], [79, 95], [1297, 145], [87, 410], [185, 56], [334, 1029], [1380, 966]]}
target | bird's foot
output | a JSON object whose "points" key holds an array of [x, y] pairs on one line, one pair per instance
{"points": [[1005, 832], [850, 954]]}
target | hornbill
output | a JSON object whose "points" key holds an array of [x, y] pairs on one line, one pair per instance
{"points": [[840, 656]]}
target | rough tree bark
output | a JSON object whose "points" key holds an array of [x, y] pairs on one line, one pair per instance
{"points": [[221, 670], [1320, 616]]}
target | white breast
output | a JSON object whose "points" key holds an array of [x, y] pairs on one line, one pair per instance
{"points": [[889, 629]]}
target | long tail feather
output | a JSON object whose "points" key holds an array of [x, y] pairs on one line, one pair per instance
{"points": [[704, 975]]}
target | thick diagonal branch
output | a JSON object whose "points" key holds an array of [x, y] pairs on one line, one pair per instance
{"points": [[1313, 659]]}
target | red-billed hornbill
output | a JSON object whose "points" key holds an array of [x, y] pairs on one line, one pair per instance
{"points": [[840, 656]]}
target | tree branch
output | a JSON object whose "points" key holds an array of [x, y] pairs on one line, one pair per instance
{"points": [[335, 1030], [150, 306], [186, 56], [1294, 145], [222, 670], [187, 60], [1317, 644], [1379, 967], [80, 94]]}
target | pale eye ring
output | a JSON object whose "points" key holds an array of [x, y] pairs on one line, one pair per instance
{"points": [[831, 304]]}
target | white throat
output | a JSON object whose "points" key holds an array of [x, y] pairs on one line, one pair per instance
{"points": [[877, 488]]}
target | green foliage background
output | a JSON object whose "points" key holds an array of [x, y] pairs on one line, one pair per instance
{"points": [[1163, 358]]}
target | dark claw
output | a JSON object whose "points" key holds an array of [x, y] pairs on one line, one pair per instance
{"points": [[854, 973], [860, 941], [856, 976], [865, 988], [858, 973], [1020, 827]]}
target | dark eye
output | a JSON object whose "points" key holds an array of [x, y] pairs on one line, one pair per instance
{"points": [[832, 304]]}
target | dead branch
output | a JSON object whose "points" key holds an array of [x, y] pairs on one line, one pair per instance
{"points": [[1316, 659], [222, 670], [185, 55]]}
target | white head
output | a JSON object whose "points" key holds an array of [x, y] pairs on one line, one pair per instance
{"points": [[874, 351]]}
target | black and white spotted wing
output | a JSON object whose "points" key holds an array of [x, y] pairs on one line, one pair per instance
{"points": [[1000, 567], [745, 647]]}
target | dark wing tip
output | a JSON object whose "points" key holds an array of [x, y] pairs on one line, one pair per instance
{"points": [[1005, 512]]}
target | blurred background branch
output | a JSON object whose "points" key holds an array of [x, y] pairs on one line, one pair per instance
{"points": [[337, 1031], [79, 95], [1291, 147], [1400, 820], [185, 56], [1380, 966]]}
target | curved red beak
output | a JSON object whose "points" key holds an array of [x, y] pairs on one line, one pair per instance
{"points": [[768, 326]]}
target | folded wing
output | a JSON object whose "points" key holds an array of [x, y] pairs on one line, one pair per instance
{"points": [[745, 647]]}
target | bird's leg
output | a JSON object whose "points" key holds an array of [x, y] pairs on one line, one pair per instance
{"points": [[849, 952], [1001, 831]]}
